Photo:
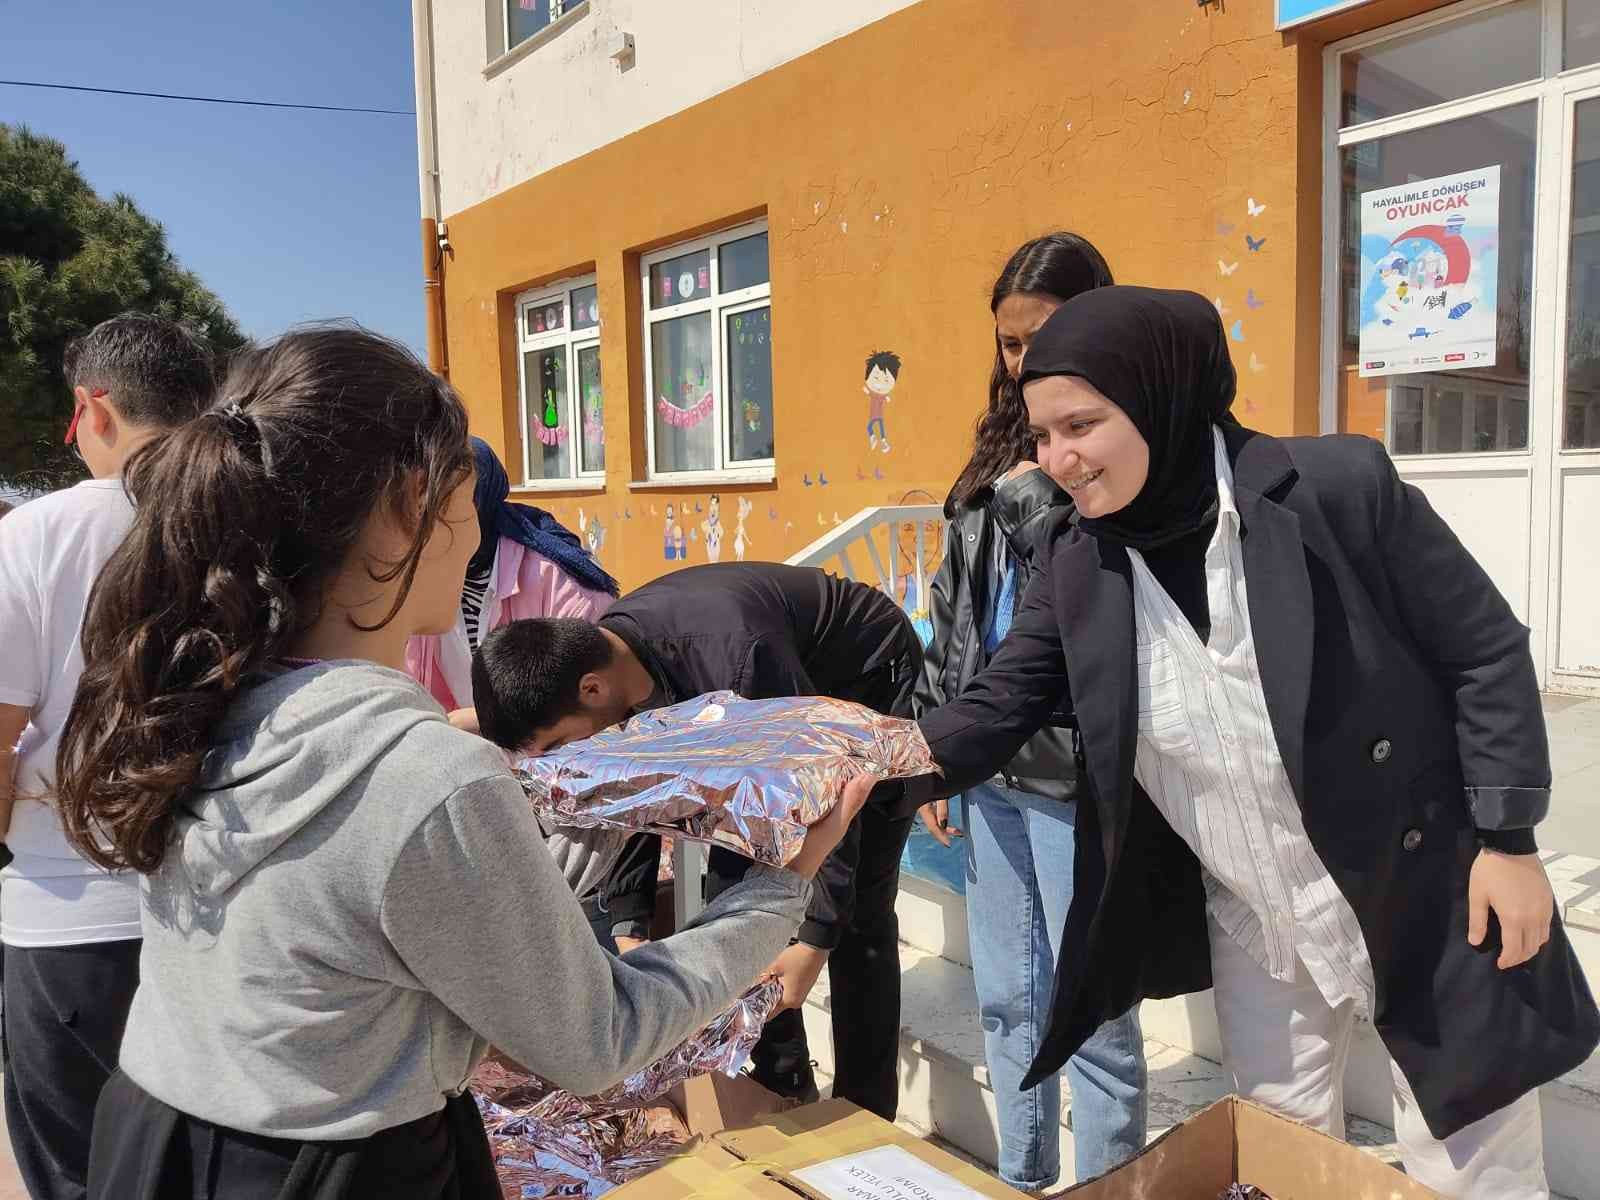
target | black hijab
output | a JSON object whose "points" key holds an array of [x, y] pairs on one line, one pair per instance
{"points": [[1162, 358]]}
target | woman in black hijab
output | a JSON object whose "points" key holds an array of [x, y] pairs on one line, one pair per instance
{"points": [[1314, 747]]}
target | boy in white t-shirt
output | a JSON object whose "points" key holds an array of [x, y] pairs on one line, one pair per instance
{"points": [[70, 930]]}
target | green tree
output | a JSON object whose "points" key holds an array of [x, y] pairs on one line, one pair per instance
{"points": [[69, 260]]}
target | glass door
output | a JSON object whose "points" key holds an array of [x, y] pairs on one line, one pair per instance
{"points": [[1574, 647], [1499, 425]]}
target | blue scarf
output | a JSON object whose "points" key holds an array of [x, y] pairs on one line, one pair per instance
{"points": [[526, 525]]}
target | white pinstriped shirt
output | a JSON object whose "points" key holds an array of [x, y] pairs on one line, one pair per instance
{"points": [[1209, 761]]}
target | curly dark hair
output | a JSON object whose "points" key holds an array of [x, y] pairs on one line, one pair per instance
{"points": [[1060, 265], [243, 516]]}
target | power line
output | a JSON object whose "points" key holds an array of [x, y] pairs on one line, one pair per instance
{"points": [[74, 87]]}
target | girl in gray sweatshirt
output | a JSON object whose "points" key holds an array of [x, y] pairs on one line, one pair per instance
{"points": [[346, 900]]}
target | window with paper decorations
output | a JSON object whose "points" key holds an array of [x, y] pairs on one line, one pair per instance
{"points": [[708, 355], [563, 407], [524, 18]]}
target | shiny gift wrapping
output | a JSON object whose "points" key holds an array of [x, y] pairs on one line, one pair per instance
{"points": [[751, 775], [550, 1143]]}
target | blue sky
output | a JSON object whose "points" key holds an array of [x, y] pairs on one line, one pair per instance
{"points": [[286, 215]]}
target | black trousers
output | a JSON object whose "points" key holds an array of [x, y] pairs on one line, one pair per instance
{"points": [[65, 1008], [147, 1150], [864, 968]]}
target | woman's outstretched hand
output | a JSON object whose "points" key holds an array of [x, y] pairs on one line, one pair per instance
{"points": [[822, 837]]}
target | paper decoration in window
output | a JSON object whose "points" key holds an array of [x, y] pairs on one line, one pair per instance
{"points": [[550, 431], [692, 411], [705, 277], [685, 418], [685, 285]]}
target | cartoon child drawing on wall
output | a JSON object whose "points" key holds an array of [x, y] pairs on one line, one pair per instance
{"points": [[883, 372], [741, 536], [713, 529]]}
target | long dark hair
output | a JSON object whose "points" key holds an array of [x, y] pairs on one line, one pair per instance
{"points": [[1059, 265], [243, 516]]}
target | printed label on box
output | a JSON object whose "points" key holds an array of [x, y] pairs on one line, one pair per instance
{"points": [[886, 1173]]}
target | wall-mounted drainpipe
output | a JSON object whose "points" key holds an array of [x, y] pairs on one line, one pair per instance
{"points": [[433, 234]]}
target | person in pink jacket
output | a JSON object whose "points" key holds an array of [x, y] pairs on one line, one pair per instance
{"points": [[527, 565]]}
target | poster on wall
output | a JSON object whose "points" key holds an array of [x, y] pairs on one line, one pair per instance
{"points": [[1430, 264]]}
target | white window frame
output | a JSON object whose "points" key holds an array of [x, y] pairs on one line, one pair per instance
{"points": [[569, 10], [720, 305], [573, 341]]}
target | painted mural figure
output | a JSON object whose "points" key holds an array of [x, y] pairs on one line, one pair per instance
{"points": [[672, 537], [713, 528], [741, 536], [883, 372], [594, 533]]}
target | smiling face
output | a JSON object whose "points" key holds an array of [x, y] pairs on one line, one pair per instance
{"points": [[1086, 444], [880, 381]]}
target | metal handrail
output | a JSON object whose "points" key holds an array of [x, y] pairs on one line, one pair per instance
{"points": [[873, 533]]}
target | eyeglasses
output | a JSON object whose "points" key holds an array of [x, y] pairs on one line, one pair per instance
{"points": [[77, 415]]}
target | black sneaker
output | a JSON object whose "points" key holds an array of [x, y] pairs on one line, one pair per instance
{"points": [[799, 1084]]}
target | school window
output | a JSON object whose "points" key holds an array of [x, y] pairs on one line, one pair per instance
{"points": [[525, 18], [708, 356], [562, 406]]}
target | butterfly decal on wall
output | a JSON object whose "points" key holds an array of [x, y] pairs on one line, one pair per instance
{"points": [[1237, 332], [1251, 300], [1222, 309], [1254, 244], [1254, 209], [1256, 364], [1226, 269]]}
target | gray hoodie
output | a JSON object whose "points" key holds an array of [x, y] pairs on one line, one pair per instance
{"points": [[359, 901]]}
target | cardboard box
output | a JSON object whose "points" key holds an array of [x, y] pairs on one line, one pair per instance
{"points": [[1234, 1141], [749, 1144]]}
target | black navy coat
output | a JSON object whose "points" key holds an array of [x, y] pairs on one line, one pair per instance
{"points": [[1405, 707]]}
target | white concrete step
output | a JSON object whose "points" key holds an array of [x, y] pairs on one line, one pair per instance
{"points": [[945, 1087]]}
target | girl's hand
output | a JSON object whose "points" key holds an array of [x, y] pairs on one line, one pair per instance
{"points": [[1516, 888], [1022, 468], [935, 815], [465, 718], [822, 837], [798, 967]]}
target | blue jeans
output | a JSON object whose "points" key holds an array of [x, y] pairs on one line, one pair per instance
{"points": [[1019, 887]]}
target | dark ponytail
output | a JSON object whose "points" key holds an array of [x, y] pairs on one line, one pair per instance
{"points": [[1060, 265], [243, 516]]}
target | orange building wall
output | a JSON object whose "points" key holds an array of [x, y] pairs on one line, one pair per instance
{"points": [[898, 167]]}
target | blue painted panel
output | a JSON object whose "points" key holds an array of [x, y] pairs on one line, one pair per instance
{"points": [[1298, 12]]}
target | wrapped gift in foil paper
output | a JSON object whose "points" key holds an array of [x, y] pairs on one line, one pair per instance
{"points": [[751, 775], [550, 1143]]}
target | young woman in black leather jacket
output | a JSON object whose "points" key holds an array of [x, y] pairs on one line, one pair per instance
{"points": [[1020, 824]]}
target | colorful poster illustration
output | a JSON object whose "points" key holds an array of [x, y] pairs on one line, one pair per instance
{"points": [[1430, 266]]}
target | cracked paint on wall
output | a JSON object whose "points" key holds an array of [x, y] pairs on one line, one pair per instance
{"points": [[897, 167]]}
